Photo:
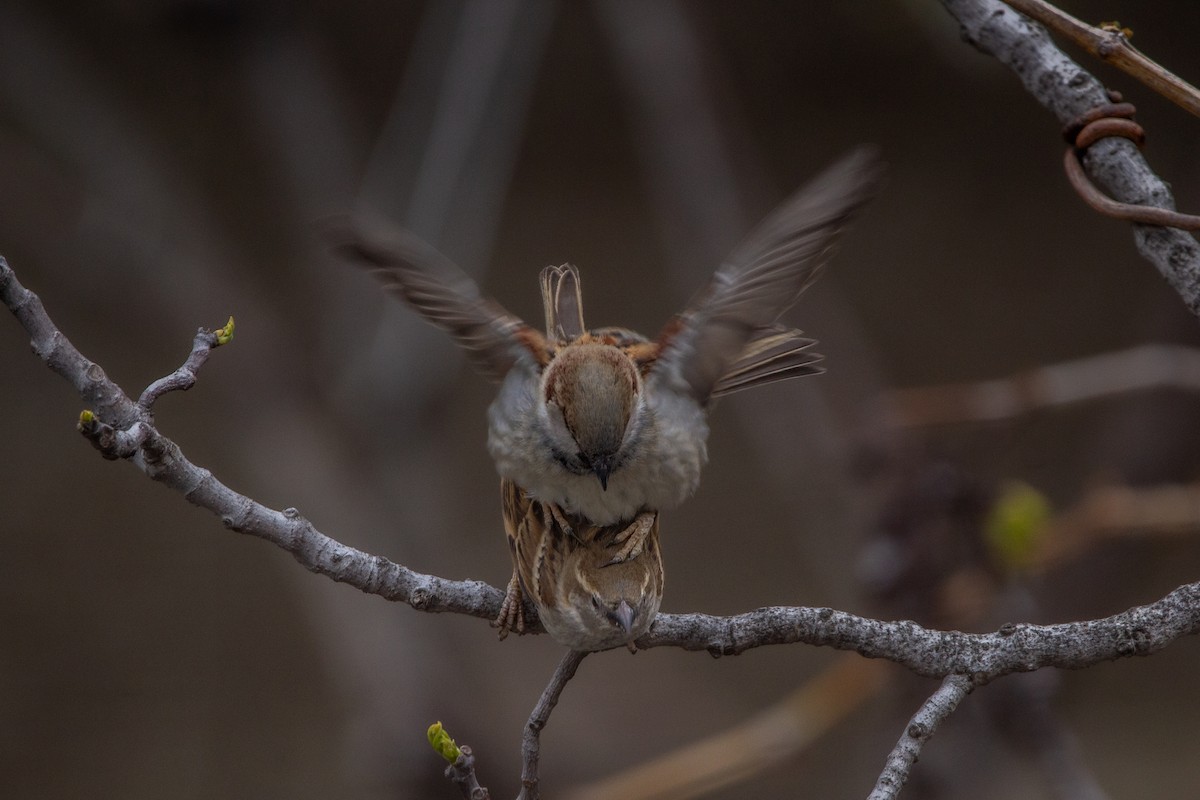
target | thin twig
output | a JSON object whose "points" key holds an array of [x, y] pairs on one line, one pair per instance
{"points": [[183, 378], [53, 348], [920, 728], [1112, 46], [531, 739], [462, 771], [1013, 648]]}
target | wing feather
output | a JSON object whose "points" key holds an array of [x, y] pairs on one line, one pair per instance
{"points": [[762, 278], [417, 273]]}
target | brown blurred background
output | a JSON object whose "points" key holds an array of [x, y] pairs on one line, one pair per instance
{"points": [[166, 164]]}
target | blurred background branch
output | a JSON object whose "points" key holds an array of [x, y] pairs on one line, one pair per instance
{"points": [[1143, 368]]}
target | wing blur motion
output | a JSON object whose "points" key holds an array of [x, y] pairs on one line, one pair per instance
{"points": [[439, 291], [760, 280]]}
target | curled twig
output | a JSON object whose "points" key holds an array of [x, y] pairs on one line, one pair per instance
{"points": [[1104, 121], [1130, 212]]}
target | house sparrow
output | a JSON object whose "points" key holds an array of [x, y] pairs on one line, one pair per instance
{"points": [[594, 431]]}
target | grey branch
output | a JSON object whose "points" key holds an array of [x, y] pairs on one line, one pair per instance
{"points": [[531, 739], [462, 774], [123, 430], [1066, 89], [1014, 648], [183, 378], [462, 771], [918, 731]]}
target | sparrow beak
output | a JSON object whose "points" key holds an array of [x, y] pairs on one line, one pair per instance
{"points": [[602, 468], [625, 615]]}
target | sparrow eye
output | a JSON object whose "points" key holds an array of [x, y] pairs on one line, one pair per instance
{"points": [[584, 460], [596, 602]]}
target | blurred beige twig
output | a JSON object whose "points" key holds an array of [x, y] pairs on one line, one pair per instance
{"points": [[1142, 368], [1114, 512], [772, 736]]}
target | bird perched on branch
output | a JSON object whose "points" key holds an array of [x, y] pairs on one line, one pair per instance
{"points": [[595, 430]]}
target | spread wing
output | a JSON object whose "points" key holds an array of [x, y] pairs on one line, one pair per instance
{"points": [[417, 273], [712, 340]]}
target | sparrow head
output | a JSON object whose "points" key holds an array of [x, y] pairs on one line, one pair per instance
{"points": [[592, 395], [607, 604]]}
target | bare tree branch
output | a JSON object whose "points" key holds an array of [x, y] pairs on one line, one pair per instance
{"points": [[921, 727], [1066, 89], [1014, 648], [123, 429], [184, 378], [531, 739]]}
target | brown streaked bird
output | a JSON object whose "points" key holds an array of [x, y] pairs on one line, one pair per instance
{"points": [[594, 431]]}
